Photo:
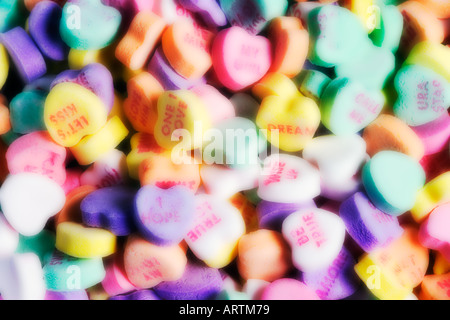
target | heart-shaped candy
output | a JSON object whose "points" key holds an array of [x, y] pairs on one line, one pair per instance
{"points": [[28, 200], [209, 10], [348, 107], [239, 58], [316, 237], [9, 238], [26, 112], [439, 222], [164, 216], [4, 65], [423, 95], [288, 179]]}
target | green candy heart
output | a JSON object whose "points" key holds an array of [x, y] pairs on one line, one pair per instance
{"points": [[89, 24], [389, 31], [65, 273], [42, 244], [313, 84], [423, 95], [392, 180], [347, 107], [12, 14], [27, 112]]}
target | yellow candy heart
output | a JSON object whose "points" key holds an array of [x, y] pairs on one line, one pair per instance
{"points": [[77, 241], [78, 59], [275, 84], [180, 109], [71, 112], [4, 65], [93, 147], [296, 120]]}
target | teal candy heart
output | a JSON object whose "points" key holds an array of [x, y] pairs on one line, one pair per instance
{"points": [[337, 36], [27, 112], [423, 95], [65, 273], [11, 14], [42, 244], [389, 28], [347, 107], [89, 24], [372, 69], [392, 180]]}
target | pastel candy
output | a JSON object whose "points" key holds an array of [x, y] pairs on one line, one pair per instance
{"points": [[110, 170], [164, 216], [338, 158], [197, 283], [433, 232], [111, 209], [72, 112], [137, 295], [435, 134], [213, 236], [68, 295], [209, 10], [252, 15], [77, 25], [42, 244], [272, 214], [390, 133], [316, 237], [335, 282], [187, 48], [93, 147], [29, 200], [95, 77], [392, 272], [389, 32], [181, 109], [171, 11], [65, 273], [436, 287], [288, 179], [140, 106], [366, 224], [247, 210], [161, 69], [11, 14], [263, 255], [116, 281], [72, 180], [435, 192], [275, 84], [302, 9], [254, 288], [313, 84], [232, 295], [4, 66], [43, 24], [424, 95], [147, 265], [392, 181], [26, 57], [289, 123], [37, 153], [441, 264], [363, 10], [71, 210], [27, 112], [81, 242], [9, 239], [440, 8], [5, 122], [136, 46], [288, 289], [219, 107], [240, 59], [22, 278]]}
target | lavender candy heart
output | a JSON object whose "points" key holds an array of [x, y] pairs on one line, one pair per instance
{"points": [[272, 214], [110, 208], [27, 58], [137, 295], [44, 29], [367, 225], [66, 295], [209, 10], [164, 216], [95, 77], [160, 68], [197, 283], [337, 281]]}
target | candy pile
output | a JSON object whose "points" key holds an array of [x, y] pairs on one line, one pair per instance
{"points": [[230, 149]]}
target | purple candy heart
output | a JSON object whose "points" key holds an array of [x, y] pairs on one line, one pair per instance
{"points": [[367, 225], [209, 10], [44, 29], [95, 77], [338, 281], [160, 68], [197, 283], [110, 208], [272, 214], [66, 295], [164, 216], [137, 295], [26, 56]]}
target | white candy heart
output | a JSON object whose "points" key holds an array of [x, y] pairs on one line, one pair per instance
{"points": [[22, 278], [288, 179], [28, 200], [338, 157], [224, 182], [316, 237], [342, 190], [108, 171], [216, 230], [9, 238]]}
